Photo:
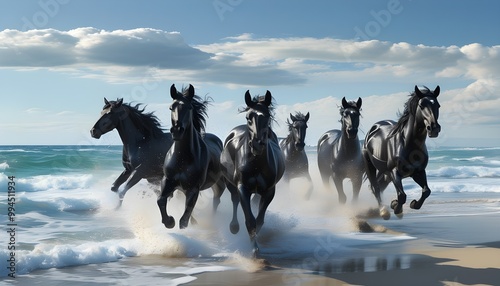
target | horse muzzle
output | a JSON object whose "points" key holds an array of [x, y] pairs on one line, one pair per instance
{"points": [[257, 147], [95, 133], [433, 130], [177, 132], [352, 132], [299, 146]]}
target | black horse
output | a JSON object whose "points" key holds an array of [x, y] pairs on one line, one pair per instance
{"points": [[192, 163], [396, 150], [252, 161], [339, 152], [296, 162], [144, 143]]}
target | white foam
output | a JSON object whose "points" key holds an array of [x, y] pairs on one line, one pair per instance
{"points": [[57, 182], [4, 166], [465, 172]]}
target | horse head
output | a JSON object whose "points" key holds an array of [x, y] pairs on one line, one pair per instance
{"points": [[181, 111], [111, 114], [428, 110], [350, 112], [297, 129], [258, 121]]}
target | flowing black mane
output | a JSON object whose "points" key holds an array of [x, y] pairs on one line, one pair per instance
{"points": [[146, 122], [410, 109], [199, 110], [268, 110]]}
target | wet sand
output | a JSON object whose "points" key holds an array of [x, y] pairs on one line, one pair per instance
{"points": [[447, 250]]}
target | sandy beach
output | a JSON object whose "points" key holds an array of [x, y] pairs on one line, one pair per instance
{"points": [[451, 251]]}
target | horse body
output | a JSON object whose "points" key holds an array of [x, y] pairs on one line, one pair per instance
{"points": [[339, 152], [396, 150], [144, 143], [296, 162], [192, 163], [252, 161]]}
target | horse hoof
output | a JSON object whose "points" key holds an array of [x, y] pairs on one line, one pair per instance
{"points": [[183, 223], [235, 228], [414, 205], [169, 222], [255, 252], [400, 215], [384, 213], [394, 204]]}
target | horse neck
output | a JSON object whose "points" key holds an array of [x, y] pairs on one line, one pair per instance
{"points": [[346, 143], [190, 142], [414, 132], [129, 133]]}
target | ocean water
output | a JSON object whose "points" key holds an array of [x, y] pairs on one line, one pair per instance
{"points": [[64, 219]]}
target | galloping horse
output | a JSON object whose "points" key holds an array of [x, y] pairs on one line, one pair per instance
{"points": [[339, 152], [396, 150], [192, 163], [144, 143], [296, 163], [252, 161]]}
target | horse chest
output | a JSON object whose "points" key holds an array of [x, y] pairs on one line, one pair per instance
{"points": [[411, 162]]}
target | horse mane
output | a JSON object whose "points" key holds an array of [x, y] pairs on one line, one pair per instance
{"points": [[410, 109], [146, 122], [352, 104], [268, 110], [199, 111]]}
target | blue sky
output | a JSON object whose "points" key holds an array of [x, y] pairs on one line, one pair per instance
{"points": [[59, 58]]}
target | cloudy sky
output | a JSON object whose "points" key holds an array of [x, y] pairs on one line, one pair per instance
{"points": [[60, 58]]}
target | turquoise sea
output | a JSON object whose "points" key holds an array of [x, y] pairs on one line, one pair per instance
{"points": [[65, 217]]}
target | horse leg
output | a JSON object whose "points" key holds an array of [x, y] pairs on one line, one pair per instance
{"points": [[371, 173], [264, 203], [167, 189], [135, 177], [421, 179], [120, 180], [356, 186], [340, 188], [310, 186], [191, 198], [397, 205], [218, 189], [249, 217], [234, 226]]}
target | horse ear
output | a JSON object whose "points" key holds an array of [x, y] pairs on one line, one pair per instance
{"points": [[268, 98], [106, 102], [436, 91], [173, 92], [344, 103], [359, 102], [293, 117], [119, 102], [307, 117], [248, 99], [190, 92], [418, 92]]}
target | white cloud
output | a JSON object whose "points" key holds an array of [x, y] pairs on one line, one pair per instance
{"points": [[151, 56]]}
